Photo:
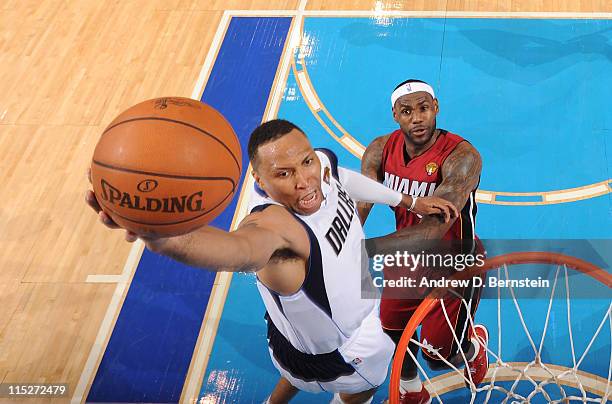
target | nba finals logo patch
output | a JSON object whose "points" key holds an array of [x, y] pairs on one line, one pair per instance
{"points": [[326, 175], [431, 168]]}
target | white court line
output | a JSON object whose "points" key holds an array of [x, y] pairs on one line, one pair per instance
{"points": [[484, 196], [218, 296], [424, 14], [351, 144], [249, 183], [214, 310], [308, 93], [216, 300], [108, 322], [136, 251], [211, 56], [578, 194], [293, 43], [199, 359], [459, 14], [452, 381]]}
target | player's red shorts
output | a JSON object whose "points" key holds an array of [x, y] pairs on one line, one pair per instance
{"points": [[436, 329]]}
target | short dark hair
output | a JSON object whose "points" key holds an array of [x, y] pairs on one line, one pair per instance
{"points": [[408, 81], [267, 132]]}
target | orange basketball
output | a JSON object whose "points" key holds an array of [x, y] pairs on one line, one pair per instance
{"points": [[166, 166]]}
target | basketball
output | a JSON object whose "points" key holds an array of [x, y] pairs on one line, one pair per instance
{"points": [[166, 166]]}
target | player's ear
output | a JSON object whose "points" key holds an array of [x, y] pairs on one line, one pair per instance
{"points": [[436, 105], [257, 179], [394, 114]]}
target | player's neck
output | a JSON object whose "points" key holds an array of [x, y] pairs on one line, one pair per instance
{"points": [[414, 150]]}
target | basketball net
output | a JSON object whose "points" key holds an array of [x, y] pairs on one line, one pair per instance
{"points": [[536, 373]]}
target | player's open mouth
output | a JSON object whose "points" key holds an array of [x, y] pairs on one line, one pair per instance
{"points": [[419, 131], [308, 201]]}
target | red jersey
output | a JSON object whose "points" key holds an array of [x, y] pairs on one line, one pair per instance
{"points": [[420, 176]]}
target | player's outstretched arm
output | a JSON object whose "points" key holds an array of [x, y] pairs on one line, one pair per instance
{"points": [[249, 248], [371, 167], [460, 176]]}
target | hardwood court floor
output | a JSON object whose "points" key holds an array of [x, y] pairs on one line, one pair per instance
{"points": [[67, 68]]}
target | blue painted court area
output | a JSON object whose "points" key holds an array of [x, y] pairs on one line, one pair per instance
{"points": [[530, 94], [148, 355]]}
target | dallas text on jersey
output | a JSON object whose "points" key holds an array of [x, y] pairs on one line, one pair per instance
{"points": [[336, 235]]}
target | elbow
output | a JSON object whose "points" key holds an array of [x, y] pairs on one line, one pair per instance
{"points": [[437, 227], [440, 231], [247, 259]]}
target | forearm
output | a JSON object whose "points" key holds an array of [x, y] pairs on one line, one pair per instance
{"points": [[431, 227], [412, 239], [208, 247], [364, 189]]}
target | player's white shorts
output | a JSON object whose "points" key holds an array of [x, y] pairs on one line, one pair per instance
{"points": [[368, 351]]}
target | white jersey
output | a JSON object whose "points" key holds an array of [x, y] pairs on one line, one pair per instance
{"points": [[325, 312]]}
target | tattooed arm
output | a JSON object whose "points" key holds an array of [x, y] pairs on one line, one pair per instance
{"points": [[371, 166], [460, 176]]}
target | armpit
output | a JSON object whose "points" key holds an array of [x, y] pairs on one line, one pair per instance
{"points": [[284, 254]]}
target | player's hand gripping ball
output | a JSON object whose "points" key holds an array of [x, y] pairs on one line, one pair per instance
{"points": [[166, 166]]}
